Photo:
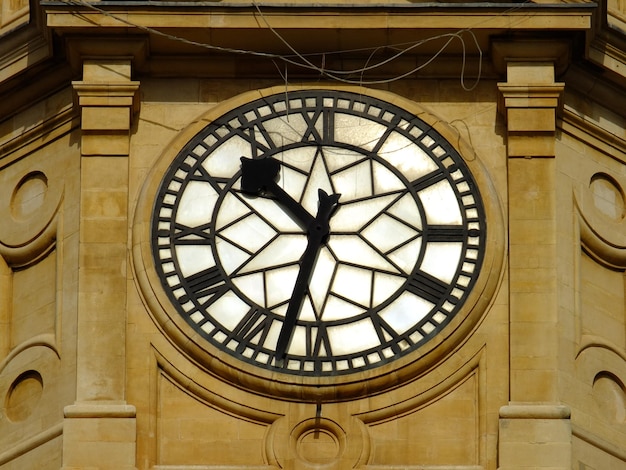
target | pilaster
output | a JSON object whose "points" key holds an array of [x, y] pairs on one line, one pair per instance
{"points": [[535, 437], [100, 429], [534, 429]]}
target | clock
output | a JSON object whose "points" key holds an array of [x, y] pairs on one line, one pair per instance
{"points": [[318, 233]]}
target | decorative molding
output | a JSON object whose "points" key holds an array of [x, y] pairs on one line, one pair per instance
{"points": [[108, 101], [585, 130], [191, 386], [31, 443], [100, 410], [605, 53], [25, 46], [599, 248], [596, 342], [40, 355], [45, 340], [134, 48], [284, 442], [535, 411], [17, 145], [108, 95], [529, 100], [215, 467], [27, 239], [596, 357], [534, 50], [529, 96], [603, 239], [614, 450], [419, 400], [423, 467]]}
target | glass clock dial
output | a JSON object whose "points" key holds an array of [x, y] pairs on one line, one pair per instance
{"points": [[318, 232]]}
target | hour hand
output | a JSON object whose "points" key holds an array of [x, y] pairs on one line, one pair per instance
{"points": [[258, 176]]}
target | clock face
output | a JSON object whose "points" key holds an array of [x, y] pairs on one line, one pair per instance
{"points": [[318, 232]]}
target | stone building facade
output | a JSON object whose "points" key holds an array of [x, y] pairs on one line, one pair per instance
{"points": [[502, 345]]}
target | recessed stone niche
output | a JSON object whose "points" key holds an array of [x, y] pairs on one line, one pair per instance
{"points": [[24, 395], [610, 396], [608, 196], [29, 195]]}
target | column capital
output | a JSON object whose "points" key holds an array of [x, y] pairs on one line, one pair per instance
{"points": [[552, 51], [107, 94], [530, 98], [529, 101], [108, 100]]}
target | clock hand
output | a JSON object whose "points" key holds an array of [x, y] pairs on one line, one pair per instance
{"points": [[317, 234], [259, 176]]}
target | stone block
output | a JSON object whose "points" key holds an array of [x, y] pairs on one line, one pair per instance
{"points": [[538, 144], [542, 349], [531, 119], [105, 204], [532, 384], [105, 118], [104, 172], [112, 143], [109, 230], [103, 442], [107, 70], [535, 436], [523, 72]]}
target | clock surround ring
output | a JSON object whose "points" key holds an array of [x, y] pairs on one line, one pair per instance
{"points": [[315, 388]]}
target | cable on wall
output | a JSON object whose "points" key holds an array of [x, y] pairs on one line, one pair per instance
{"points": [[301, 60]]}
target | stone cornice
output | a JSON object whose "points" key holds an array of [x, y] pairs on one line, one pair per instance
{"points": [[429, 15], [26, 45]]}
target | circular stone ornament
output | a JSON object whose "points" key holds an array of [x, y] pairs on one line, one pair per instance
{"points": [[24, 395]]}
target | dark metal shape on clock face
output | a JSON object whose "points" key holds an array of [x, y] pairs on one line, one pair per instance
{"points": [[318, 232], [257, 177]]}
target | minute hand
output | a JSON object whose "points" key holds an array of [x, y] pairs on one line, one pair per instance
{"points": [[317, 234], [258, 176]]}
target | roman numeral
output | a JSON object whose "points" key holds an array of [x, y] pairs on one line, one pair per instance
{"points": [[318, 342], [253, 327], [184, 235], [258, 147], [200, 174], [428, 287], [311, 132], [329, 125], [390, 127], [425, 181], [445, 233], [384, 331], [206, 283]]}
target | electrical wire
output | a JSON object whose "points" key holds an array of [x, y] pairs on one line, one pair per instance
{"points": [[336, 74], [300, 60]]}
